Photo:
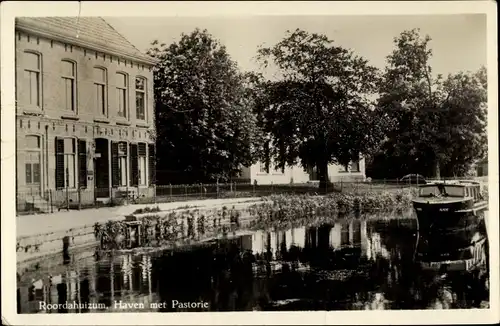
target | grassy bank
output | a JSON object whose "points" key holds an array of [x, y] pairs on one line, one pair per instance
{"points": [[277, 211]]}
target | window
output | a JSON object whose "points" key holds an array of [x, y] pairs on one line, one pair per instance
{"points": [[100, 81], [122, 163], [119, 163], [32, 73], [278, 170], [69, 81], [140, 98], [355, 166], [82, 163], [152, 164], [352, 167], [32, 160], [142, 164], [262, 168], [121, 94], [65, 163]]}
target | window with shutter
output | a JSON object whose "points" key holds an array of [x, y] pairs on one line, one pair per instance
{"points": [[141, 152], [134, 169], [59, 163], [115, 171], [82, 164], [152, 164]]}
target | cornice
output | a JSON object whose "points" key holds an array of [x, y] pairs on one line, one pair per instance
{"points": [[82, 43]]}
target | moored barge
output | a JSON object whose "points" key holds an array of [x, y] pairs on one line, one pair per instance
{"points": [[442, 205]]}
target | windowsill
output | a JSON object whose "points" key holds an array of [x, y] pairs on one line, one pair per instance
{"points": [[101, 120], [70, 117], [124, 188], [142, 124], [38, 112], [69, 189], [262, 173], [123, 122]]}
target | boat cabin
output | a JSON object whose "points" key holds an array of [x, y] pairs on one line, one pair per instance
{"points": [[457, 190]]}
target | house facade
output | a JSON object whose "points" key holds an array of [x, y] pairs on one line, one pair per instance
{"points": [[84, 112], [257, 173]]}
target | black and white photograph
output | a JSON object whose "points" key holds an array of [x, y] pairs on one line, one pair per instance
{"points": [[221, 161]]}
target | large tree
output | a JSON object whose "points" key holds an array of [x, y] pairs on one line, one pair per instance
{"points": [[205, 125], [318, 110], [436, 125]]}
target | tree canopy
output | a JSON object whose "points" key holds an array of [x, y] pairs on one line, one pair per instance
{"points": [[204, 122], [319, 111], [433, 123]]}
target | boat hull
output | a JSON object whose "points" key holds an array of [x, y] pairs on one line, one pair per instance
{"points": [[448, 214], [460, 251]]}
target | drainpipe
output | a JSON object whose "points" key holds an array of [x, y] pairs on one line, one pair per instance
{"points": [[47, 156]]}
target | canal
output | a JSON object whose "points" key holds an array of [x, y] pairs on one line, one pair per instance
{"points": [[349, 264]]}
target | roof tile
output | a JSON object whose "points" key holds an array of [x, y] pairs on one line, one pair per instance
{"points": [[94, 30]]}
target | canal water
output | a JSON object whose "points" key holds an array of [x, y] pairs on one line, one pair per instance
{"points": [[351, 264]]}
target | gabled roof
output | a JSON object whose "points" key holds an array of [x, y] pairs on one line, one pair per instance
{"points": [[88, 32]]}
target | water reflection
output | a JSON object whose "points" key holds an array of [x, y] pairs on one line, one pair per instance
{"points": [[352, 264]]}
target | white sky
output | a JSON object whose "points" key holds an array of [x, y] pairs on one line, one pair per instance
{"points": [[458, 40]]}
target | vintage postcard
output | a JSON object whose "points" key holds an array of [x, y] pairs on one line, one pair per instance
{"points": [[249, 162]]}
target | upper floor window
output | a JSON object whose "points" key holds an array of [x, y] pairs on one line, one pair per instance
{"points": [[140, 98], [32, 74], [121, 94], [69, 80], [100, 81]]}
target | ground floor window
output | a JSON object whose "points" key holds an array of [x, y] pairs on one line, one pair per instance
{"points": [[119, 163], [122, 166], [32, 167], [65, 163], [141, 153], [355, 166]]}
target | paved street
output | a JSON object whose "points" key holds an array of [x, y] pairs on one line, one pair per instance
{"points": [[29, 225]]}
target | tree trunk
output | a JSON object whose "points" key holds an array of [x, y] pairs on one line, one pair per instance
{"points": [[437, 169], [324, 180]]}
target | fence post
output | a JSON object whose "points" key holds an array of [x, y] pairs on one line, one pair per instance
{"points": [[253, 186], [235, 186], [217, 188], [185, 192], [341, 185], [170, 187], [201, 190]]}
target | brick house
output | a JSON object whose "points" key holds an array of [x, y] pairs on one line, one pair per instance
{"points": [[84, 113]]}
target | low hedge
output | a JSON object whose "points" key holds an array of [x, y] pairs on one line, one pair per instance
{"points": [[287, 210]]}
